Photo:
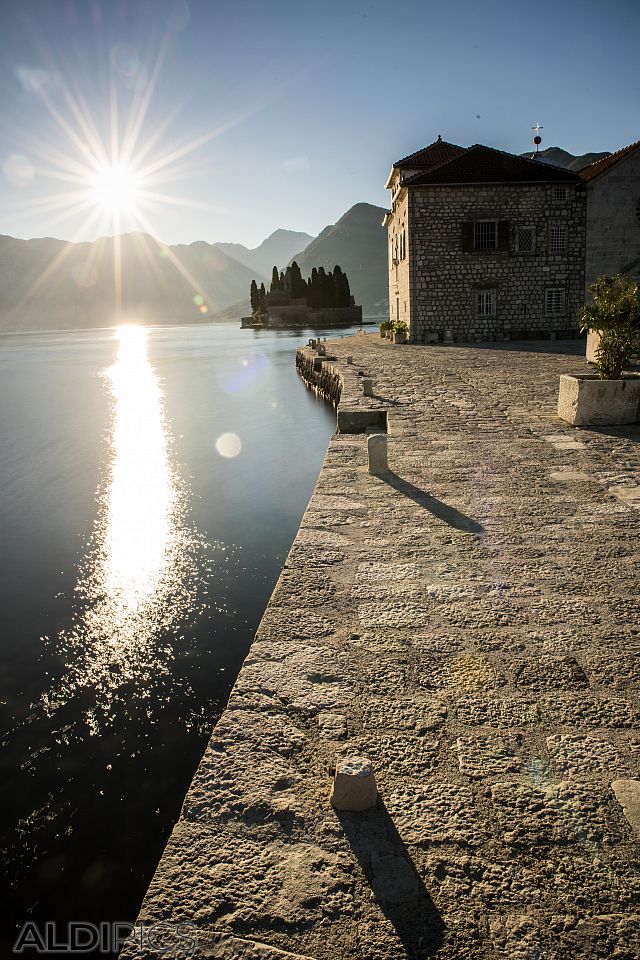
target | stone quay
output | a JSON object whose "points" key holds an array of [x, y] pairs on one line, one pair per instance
{"points": [[469, 622]]}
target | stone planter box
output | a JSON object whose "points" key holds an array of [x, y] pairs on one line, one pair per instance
{"points": [[399, 338], [588, 401]]}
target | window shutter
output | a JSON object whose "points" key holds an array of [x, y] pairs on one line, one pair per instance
{"points": [[503, 234], [467, 237]]}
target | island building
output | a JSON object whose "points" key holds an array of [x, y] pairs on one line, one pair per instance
{"points": [[324, 299], [484, 244]]}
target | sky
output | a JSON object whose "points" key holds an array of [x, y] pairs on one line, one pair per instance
{"points": [[206, 120]]}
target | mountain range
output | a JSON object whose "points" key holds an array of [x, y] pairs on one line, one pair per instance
{"points": [[562, 158], [55, 284], [358, 243], [276, 249]]}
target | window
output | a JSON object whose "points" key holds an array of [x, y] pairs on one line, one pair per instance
{"points": [[485, 235], [525, 239], [554, 302], [485, 303], [557, 239], [559, 193]]}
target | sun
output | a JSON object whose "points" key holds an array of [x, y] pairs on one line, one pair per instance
{"points": [[115, 189]]}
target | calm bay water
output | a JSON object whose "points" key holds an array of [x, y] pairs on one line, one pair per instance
{"points": [[152, 482]]}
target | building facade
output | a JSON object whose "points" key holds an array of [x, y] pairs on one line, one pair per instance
{"points": [[484, 245], [613, 214]]}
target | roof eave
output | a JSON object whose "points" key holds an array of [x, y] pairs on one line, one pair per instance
{"points": [[387, 185], [608, 163]]}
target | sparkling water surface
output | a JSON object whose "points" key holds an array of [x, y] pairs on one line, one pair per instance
{"points": [[153, 480]]}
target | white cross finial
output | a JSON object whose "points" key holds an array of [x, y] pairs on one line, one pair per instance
{"points": [[538, 127]]}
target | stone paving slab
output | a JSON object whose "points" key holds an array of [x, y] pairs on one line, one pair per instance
{"points": [[471, 623]]}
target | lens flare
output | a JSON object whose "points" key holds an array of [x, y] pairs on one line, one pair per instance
{"points": [[229, 445], [18, 170]]}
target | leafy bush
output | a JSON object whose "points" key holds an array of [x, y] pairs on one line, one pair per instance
{"points": [[400, 327], [385, 326], [615, 315]]}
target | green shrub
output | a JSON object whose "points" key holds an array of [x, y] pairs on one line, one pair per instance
{"points": [[385, 326], [615, 315]]}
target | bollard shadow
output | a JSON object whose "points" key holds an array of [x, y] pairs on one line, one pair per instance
{"points": [[449, 515], [630, 431], [395, 884]]}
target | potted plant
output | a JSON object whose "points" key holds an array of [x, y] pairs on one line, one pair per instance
{"points": [[400, 332], [610, 395], [385, 327]]}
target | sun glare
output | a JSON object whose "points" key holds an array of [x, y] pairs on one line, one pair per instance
{"points": [[115, 189]]}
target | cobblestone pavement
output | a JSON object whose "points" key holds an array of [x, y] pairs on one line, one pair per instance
{"points": [[470, 623]]}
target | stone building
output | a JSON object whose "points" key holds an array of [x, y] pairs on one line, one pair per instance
{"points": [[484, 244], [613, 214]]}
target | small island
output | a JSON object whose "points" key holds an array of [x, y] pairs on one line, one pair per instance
{"points": [[324, 299]]}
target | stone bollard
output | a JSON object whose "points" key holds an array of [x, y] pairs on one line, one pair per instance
{"points": [[367, 386], [349, 360], [354, 785], [448, 336], [377, 450], [322, 350]]}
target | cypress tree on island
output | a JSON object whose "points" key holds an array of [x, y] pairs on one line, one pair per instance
{"points": [[322, 290]]}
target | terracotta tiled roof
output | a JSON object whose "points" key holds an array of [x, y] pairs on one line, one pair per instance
{"points": [[480, 164], [436, 153], [595, 169]]}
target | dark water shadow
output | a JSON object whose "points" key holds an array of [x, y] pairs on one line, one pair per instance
{"points": [[449, 515], [395, 883]]}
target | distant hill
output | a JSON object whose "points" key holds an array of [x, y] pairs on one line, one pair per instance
{"points": [[358, 243], [562, 158], [48, 283], [276, 249]]}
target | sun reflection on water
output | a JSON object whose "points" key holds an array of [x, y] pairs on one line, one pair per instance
{"points": [[142, 494], [143, 571]]}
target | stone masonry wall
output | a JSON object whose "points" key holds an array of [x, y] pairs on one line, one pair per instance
{"points": [[399, 295], [446, 278], [613, 221]]}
